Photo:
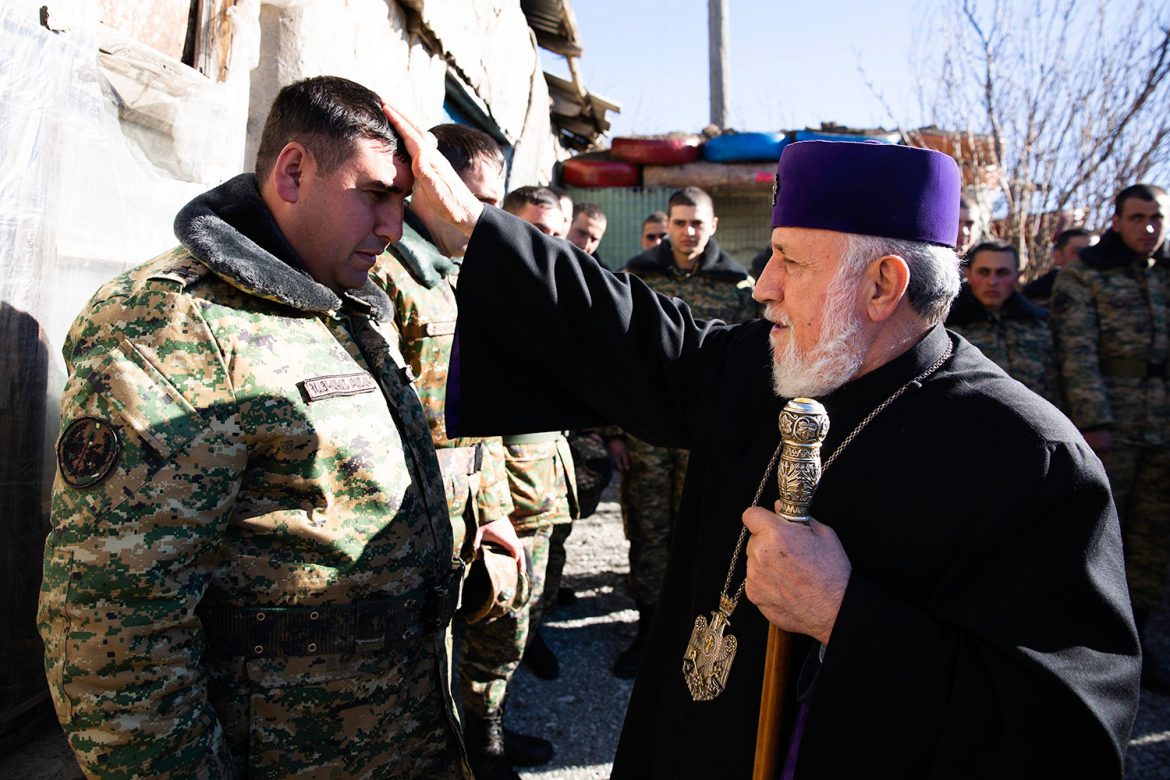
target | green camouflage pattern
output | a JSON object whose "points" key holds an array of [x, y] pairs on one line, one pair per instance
{"points": [[424, 317], [650, 493], [1140, 480], [1113, 314], [651, 488], [1021, 347], [492, 651], [1104, 313], [710, 297], [232, 488], [544, 493], [555, 571], [542, 483]]}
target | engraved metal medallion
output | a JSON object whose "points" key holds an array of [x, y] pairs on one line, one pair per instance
{"points": [[709, 654]]}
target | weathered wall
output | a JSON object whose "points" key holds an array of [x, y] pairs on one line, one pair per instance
{"points": [[487, 43]]}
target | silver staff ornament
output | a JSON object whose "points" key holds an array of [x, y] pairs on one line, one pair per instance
{"points": [[803, 426]]}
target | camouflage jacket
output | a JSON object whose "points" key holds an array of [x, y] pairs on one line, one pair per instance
{"points": [[1017, 338], [419, 281], [234, 435], [542, 480], [1109, 314], [719, 289]]}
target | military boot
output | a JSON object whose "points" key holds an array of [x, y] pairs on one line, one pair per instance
{"points": [[484, 736], [627, 663]]}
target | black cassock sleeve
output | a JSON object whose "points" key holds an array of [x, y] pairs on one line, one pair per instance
{"points": [[549, 339]]}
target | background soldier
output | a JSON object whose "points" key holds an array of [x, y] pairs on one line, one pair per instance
{"points": [[970, 224], [565, 200], [994, 316], [691, 266], [1066, 247], [540, 469], [250, 567], [587, 228], [419, 272], [653, 230], [1110, 312]]}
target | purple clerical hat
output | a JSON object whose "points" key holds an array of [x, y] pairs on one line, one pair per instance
{"points": [[868, 188]]}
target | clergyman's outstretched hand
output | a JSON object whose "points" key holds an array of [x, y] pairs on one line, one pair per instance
{"points": [[434, 176]]}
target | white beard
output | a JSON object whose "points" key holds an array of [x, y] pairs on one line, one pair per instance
{"points": [[833, 361]]}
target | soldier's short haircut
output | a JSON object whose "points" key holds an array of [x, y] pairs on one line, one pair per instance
{"points": [[690, 196], [517, 199], [934, 271], [463, 146], [590, 210], [992, 245], [1142, 191], [1064, 236], [327, 114], [657, 216]]}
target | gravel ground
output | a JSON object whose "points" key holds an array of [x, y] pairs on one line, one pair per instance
{"points": [[582, 711]]}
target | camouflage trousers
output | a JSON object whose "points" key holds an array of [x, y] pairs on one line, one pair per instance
{"points": [[650, 493], [1140, 480], [555, 570], [492, 651]]}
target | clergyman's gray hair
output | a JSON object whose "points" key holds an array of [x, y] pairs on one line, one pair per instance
{"points": [[934, 271]]}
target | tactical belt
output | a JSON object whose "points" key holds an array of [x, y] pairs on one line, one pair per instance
{"points": [[460, 460], [1133, 369], [532, 438], [365, 626]]}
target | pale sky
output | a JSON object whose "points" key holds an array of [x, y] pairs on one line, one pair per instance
{"points": [[792, 64]]}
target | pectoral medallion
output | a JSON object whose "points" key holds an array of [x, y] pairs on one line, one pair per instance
{"points": [[709, 654]]}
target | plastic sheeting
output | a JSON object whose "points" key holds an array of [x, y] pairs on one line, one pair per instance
{"points": [[98, 155]]}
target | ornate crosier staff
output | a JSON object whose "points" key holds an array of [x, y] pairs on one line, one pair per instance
{"points": [[803, 426]]}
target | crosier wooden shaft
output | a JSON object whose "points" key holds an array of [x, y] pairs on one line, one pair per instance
{"points": [[803, 426]]}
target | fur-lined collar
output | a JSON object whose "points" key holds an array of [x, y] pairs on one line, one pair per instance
{"points": [[1111, 252], [231, 230], [713, 262]]}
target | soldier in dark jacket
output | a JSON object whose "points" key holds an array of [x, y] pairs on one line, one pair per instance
{"points": [[1007, 327], [1066, 247], [1110, 310], [690, 266]]}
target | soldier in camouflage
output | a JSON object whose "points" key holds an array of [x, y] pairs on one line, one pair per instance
{"points": [[586, 229], [250, 569], [691, 266], [540, 465], [994, 316], [1109, 311], [419, 273]]}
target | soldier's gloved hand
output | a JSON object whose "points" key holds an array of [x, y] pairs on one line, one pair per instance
{"points": [[502, 533], [796, 573], [434, 177]]}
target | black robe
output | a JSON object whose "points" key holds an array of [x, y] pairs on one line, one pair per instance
{"points": [[986, 629]]}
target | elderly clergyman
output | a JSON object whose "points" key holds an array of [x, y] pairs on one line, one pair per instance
{"points": [[940, 633]]}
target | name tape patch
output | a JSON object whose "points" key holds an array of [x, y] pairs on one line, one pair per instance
{"points": [[336, 385]]}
